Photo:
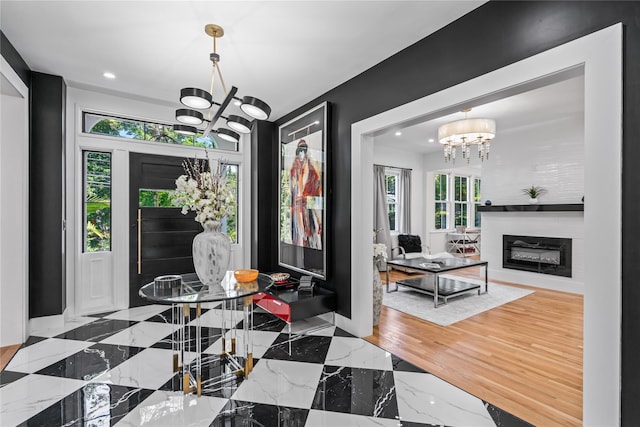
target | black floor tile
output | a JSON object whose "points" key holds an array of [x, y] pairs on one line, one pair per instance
{"points": [[300, 348], [239, 413], [208, 337], [95, 404], [358, 391], [91, 362], [7, 377], [97, 330]]}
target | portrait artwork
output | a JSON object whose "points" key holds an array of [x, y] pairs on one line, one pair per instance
{"points": [[302, 193]]}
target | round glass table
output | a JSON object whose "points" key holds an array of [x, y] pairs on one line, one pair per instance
{"points": [[183, 291]]}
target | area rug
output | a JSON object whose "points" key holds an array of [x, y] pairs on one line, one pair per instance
{"points": [[459, 308]]}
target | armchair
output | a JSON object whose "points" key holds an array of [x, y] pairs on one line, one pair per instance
{"points": [[409, 246]]}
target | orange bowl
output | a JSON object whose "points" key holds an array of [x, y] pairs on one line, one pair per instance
{"points": [[243, 276]]}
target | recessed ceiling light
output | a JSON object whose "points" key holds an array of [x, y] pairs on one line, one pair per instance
{"points": [[431, 140], [398, 133], [109, 75]]}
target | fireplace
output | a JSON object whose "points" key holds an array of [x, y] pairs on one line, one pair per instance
{"points": [[545, 255]]}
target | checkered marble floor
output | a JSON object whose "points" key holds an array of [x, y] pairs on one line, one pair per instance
{"points": [[116, 369]]}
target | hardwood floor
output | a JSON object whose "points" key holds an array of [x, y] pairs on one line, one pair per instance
{"points": [[524, 357], [6, 353]]}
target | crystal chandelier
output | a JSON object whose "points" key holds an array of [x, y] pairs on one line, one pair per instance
{"points": [[465, 133], [199, 99]]}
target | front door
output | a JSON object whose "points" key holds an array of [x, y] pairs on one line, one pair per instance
{"points": [[160, 236]]}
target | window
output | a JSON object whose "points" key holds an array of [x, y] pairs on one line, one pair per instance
{"points": [[441, 200], [460, 204], [391, 179], [146, 131], [163, 199], [455, 202], [96, 201], [476, 202]]}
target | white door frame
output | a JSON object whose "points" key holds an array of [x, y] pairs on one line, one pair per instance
{"points": [[601, 55], [14, 208]]}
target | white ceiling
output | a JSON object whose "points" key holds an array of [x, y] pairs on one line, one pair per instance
{"points": [[284, 52], [556, 101]]}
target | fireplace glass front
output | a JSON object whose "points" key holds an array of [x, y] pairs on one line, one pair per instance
{"points": [[545, 255]]}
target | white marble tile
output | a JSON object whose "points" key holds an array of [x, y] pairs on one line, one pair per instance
{"points": [[213, 318], [138, 313], [424, 398], [357, 353], [143, 334], [150, 369], [42, 354], [324, 418], [174, 409], [279, 382], [23, 398], [262, 340], [54, 328]]}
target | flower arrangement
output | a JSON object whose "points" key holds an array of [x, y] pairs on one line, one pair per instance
{"points": [[379, 252], [204, 191]]}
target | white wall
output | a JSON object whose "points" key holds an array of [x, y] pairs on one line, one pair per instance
{"points": [[401, 159], [550, 155], [14, 207]]}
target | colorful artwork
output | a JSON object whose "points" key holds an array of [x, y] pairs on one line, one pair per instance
{"points": [[302, 161], [302, 192]]}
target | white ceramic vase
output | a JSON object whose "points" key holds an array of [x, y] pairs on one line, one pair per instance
{"points": [[533, 201], [211, 253]]}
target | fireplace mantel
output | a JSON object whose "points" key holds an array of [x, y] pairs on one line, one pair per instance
{"points": [[569, 207]]}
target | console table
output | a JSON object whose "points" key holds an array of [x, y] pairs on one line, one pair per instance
{"points": [[192, 291], [433, 284]]}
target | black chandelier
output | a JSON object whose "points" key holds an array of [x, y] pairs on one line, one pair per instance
{"points": [[199, 99]]}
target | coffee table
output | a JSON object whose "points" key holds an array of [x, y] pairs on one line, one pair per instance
{"points": [[433, 284]]}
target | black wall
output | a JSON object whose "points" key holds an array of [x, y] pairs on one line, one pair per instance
{"points": [[489, 38], [264, 255], [11, 55], [47, 288]]}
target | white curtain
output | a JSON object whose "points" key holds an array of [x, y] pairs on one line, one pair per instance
{"points": [[380, 212], [404, 202]]}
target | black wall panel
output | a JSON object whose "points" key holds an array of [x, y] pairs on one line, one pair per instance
{"points": [[11, 55], [496, 34], [47, 288], [264, 187]]}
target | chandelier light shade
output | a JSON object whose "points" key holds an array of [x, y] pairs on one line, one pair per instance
{"points": [[185, 129], [465, 133], [255, 107], [196, 98], [227, 135], [189, 117], [200, 99], [239, 123]]}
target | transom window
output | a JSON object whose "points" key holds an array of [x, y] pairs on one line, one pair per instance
{"points": [[101, 124]]}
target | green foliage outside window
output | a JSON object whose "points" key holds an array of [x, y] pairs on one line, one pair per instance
{"points": [[97, 201], [147, 131], [162, 199]]}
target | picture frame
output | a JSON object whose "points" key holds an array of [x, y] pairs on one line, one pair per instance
{"points": [[302, 192]]}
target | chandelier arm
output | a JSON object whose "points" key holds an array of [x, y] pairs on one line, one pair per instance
{"points": [[223, 106], [224, 87]]}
